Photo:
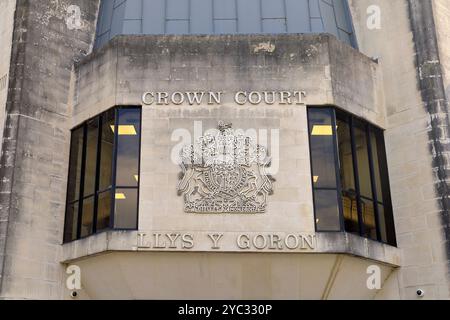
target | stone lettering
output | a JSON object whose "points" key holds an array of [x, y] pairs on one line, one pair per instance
{"points": [[215, 97], [215, 238]]}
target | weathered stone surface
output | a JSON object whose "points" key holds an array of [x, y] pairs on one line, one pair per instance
{"points": [[36, 144], [54, 86]]}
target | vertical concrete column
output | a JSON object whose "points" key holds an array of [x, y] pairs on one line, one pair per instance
{"points": [[48, 38], [432, 90]]}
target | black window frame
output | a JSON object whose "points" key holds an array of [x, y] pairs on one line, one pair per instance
{"points": [[369, 129], [112, 188], [336, 160]]}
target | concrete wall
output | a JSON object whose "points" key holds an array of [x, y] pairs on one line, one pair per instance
{"points": [[46, 99], [330, 72], [441, 10], [7, 8], [417, 211], [196, 275], [131, 65], [46, 42]]}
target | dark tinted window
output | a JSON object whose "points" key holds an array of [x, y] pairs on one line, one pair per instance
{"points": [[105, 151], [347, 176], [349, 163], [91, 157], [128, 148], [323, 162], [76, 157]]}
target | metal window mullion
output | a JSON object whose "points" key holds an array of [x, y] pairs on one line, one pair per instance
{"points": [[261, 17], [83, 167], [337, 168], [312, 170], [237, 15], [114, 168], [355, 173], [385, 184], [212, 17], [372, 183], [321, 17], [309, 15], [353, 39], [142, 17], [139, 167], [67, 188], [97, 172], [104, 190], [189, 16], [165, 16], [325, 188]]}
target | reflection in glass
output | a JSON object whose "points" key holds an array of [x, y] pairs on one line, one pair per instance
{"points": [[385, 217], [70, 228], [347, 175], [87, 217], [359, 173], [368, 216], [323, 161], [382, 222], [322, 148], [91, 157], [106, 156], [93, 195], [128, 147], [125, 213], [327, 210], [374, 143], [103, 210], [76, 157], [362, 154]]}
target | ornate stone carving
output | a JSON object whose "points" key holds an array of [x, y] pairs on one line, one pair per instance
{"points": [[225, 173]]}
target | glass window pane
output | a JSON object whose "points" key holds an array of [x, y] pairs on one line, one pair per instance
{"points": [[386, 219], [350, 210], [379, 165], [386, 222], [387, 226], [76, 156], [326, 210], [363, 160], [349, 203], [106, 156], [376, 144], [382, 222], [91, 157], [87, 217], [71, 222], [128, 147], [345, 156], [322, 148], [368, 217], [103, 210], [126, 204]]}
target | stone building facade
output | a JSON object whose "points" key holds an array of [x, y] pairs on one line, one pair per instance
{"points": [[108, 105]]}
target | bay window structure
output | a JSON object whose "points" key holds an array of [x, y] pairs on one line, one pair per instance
{"points": [[103, 182], [349, 175]]}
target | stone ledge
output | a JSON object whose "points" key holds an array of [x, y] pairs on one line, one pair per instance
{"points": [[325, 243]]}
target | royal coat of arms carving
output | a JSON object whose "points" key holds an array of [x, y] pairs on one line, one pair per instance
{"points": [[225, 173]]}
